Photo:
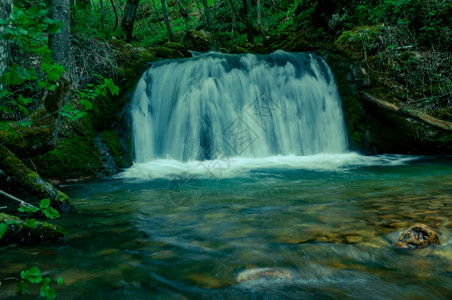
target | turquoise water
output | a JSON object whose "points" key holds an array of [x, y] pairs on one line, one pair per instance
{"points": [[179, 231]]}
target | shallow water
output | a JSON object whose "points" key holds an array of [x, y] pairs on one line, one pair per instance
{"points": [[189, 232]]}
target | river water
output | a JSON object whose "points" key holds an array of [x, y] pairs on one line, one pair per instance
{"points": [[327, 224]]}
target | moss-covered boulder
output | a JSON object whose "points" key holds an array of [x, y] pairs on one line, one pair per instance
{"points": [[131, 63], [16, 230], [170, 50], [199, 40], [361, 41], [290, 41], [74, 157]]}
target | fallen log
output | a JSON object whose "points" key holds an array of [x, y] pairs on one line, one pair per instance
{"points": [[27, 232], [13, 167], [408, 112]]}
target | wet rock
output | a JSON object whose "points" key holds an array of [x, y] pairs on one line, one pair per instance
{"points": [[418, 236], [263, 273]]}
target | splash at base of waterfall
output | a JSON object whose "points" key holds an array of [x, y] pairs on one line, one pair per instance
{"points": [[246, 167]]}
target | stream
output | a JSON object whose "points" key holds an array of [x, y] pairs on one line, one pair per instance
{"points": [[325, 226]]}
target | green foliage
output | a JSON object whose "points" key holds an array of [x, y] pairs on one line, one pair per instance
{"points": [[27, 30], [33, 275], [28, 209], [44, 207], [47, 210], [88, 96], [3, 228]]}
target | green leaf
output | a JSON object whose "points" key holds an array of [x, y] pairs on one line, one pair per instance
{"points": [[24, 124], [27, 209], [47, 292], [114, 89], [60, 280], [24, 100], [31, 223], [21, 287], [36, 11], [51, 213], [44, 203], [87, 105], [53, 26], [3, 228], [33, 275]]}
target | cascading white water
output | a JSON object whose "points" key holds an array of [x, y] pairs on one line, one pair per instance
{"points": [[217, 106]]}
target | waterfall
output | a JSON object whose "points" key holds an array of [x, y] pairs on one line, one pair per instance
{"points": [[217, 106]]}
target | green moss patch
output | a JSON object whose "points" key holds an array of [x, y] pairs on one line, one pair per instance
{"points": [[75, 157]]}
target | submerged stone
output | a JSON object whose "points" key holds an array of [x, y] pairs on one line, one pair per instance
{"points": [[418, 236], [263, 273]]}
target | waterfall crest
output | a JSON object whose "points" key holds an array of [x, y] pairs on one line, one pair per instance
{"points": [[217, 106]]}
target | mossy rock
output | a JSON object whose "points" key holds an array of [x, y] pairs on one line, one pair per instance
{"points": [[360, 41], [75, 157], [350, 80], [131, 63], [199, 40], [111, 139], [169, 52], [28, 232], [29, 141]]}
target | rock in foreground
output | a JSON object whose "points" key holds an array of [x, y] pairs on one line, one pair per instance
{"points": [[263, 273], [418, 236]]}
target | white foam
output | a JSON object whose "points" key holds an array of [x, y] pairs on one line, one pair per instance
{"points": [[242, 166]]}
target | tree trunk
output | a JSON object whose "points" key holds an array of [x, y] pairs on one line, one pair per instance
{"points": [[206, 11], [129, 18], [6, 8], [259, 18], [408, 113], [102, 13], [184, 14], [248, 20], [167, 23], [13, 167], [116, 15], [60, 42]]}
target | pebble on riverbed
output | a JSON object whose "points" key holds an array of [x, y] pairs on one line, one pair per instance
{"points": [[418, 236], [264, 273]]}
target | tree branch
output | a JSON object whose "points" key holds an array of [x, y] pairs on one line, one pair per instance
{"points": [[22, 202]]}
